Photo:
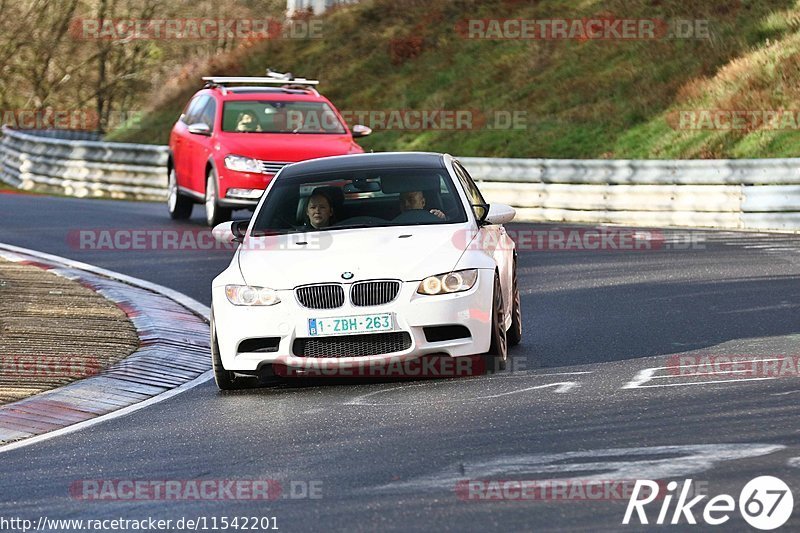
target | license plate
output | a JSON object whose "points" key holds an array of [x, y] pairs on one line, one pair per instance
{"points": [[347, 325]]}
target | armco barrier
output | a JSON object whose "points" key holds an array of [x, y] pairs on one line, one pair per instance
{"points": [[85, 168], [761, 194], [734, 194]]}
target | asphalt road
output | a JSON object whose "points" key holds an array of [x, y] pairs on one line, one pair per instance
{"points": [[587, 396]]}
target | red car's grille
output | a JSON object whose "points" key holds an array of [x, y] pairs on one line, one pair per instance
{"points": [[271, 167]]}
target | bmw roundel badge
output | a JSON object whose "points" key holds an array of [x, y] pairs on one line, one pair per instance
{"points": [[347, 275]]}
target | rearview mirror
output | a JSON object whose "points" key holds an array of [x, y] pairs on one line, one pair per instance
{"points": [[359, 130], [199, 128], [361, 186]]}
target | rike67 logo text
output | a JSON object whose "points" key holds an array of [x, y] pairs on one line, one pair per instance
{"points": [[765, 503]]}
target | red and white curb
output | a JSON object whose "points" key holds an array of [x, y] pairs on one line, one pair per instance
{"points": [[173, 356]]}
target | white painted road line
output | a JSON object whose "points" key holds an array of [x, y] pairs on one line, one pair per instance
{"points": [[628, 385], [531, 374], [561, 387], [202, 378], [647, 375], [731, 362]]}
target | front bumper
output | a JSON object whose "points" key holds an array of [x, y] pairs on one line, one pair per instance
{"points": [[237, 203], [230, 179], [288, 321]]}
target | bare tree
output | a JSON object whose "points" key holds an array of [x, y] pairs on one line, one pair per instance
{"points": [[47, 63]]}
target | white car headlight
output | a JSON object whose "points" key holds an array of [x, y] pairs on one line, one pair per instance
{"points": [[241, 163], [459, 281], [246, 295]]}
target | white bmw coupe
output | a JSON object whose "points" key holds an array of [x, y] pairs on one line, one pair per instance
{"points": [[364, 259]]}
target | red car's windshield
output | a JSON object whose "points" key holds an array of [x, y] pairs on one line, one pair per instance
{"points": [[269, 116]]}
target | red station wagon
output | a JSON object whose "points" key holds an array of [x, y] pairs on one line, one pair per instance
{"points": [[232, 139]]}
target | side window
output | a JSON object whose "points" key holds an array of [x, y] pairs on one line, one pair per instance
{"points": [[473, 194], [194, 110], [208, 113], [185, 115]]}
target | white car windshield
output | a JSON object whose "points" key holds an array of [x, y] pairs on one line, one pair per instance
{"points": [[366, 198]]}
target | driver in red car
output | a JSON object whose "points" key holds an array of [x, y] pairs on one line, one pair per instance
{"points": [[246, 121]]}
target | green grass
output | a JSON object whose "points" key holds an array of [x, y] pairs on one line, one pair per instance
{"points": [[581, 99]]}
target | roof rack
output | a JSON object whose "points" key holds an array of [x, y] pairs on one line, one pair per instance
{"points": [[226, 80], [286, 81]]}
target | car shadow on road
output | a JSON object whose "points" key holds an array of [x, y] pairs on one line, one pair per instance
{"points": [[432, 367]]}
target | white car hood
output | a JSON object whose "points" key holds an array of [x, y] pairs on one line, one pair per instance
{"points": [[278, 262]]}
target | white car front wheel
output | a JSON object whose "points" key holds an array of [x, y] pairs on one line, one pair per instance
{"points": [[497, 356], [225, 379], [514, 333]]}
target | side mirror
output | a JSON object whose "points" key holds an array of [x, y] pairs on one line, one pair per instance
{"points": [[499, 214], [199, 128], [228, 232], [360, 130]]}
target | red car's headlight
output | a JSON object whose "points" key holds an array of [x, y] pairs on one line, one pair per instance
{"points": [[241, 163]]}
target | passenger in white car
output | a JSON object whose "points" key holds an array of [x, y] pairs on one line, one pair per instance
{"points": [[416, 200]]}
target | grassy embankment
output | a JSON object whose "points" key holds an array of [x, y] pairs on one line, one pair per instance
{"points": [[582, 99]]}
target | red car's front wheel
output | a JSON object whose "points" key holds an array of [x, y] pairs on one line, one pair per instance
{"points": [[214, 213], [178, 205]]}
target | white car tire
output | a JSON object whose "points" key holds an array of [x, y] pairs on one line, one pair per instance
{"points": [[225, 379], [497, 356]]}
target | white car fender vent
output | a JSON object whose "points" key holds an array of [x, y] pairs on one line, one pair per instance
{"points": [[352, 345]]}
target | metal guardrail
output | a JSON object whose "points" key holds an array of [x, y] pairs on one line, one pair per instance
{"points": [[37, 160], [758, 194], [732, 194], [639, 171]]}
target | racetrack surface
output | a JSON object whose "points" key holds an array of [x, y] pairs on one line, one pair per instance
{"points": [[588, 385]]}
